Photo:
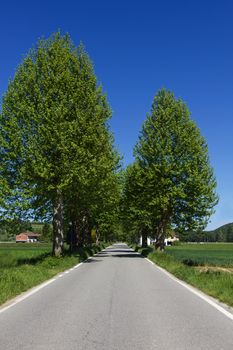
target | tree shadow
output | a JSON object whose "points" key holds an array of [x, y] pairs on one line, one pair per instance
{"points": [[33, 260], [118, 251], [131, 255], [91, 260], [119, 254]]}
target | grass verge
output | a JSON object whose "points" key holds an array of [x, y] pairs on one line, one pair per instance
{"points": [[210, 254], [19, 275], [217, 284]]}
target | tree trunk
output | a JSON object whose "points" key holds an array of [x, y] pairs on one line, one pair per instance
{"points": [[79, 232], [161, 231], [97, 236], [71, 237], [58, 234], [159, 243], [87, 229], [77, 239], [144, 237]]}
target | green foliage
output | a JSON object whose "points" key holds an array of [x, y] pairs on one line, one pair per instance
{"points": [[10, 228], [47, 232], [134, 214], [37, 227], [171, 184], [221, 234], [56, 149], [106, 211]]}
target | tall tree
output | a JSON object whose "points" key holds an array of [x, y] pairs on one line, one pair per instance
{"points": [[53, 132], [88, 205], [173, 156], [106, 213], [135, 213]]}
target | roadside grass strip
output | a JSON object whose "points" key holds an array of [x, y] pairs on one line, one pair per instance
{"points": [[197, 292], [216, 283], [10, 303], [21, 274]]}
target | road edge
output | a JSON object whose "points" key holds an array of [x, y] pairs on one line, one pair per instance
{"points": [[24, 295], [221, 307]]}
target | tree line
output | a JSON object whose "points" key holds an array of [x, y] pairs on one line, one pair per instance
{"points": [[221, 234], [9, 229], [57, 154], [59, 163]]}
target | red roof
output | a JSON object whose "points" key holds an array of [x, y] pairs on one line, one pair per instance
{"points": [[25, 235]]}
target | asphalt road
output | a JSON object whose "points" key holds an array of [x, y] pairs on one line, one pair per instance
{"points": [[115, 301]]}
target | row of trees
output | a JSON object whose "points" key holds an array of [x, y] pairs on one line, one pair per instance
{"points": [[58, 160], [57, 154]]}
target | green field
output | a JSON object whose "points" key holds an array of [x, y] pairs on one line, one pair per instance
{"points": [[211, 254], [12, 254]]}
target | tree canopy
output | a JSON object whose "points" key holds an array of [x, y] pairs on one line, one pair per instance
{"points": [[174, 182], [56, 148], [58, 158]]}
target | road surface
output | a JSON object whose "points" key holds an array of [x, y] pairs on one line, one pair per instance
{"points": [[115, 301]]}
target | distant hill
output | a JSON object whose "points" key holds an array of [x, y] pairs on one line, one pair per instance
{"points": [[221, 234]]}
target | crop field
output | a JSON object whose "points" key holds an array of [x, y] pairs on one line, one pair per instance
{"points": [[12, 254], [210, 254]]}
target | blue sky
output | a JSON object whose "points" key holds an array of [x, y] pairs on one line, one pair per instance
{"points": [[137, 48]]}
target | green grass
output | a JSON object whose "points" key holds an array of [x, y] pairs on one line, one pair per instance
{"points": [[23, 266], [12, 254], [214, 254], [218, 284]]}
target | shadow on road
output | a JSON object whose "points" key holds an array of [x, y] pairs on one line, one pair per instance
{"points": [[118, 253], [91, 260]]}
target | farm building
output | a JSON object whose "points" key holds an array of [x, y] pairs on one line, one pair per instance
{"points": [[167, 241], [27, 237]]}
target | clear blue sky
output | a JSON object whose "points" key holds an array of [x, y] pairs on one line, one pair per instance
{"points": [[137, 48]]}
